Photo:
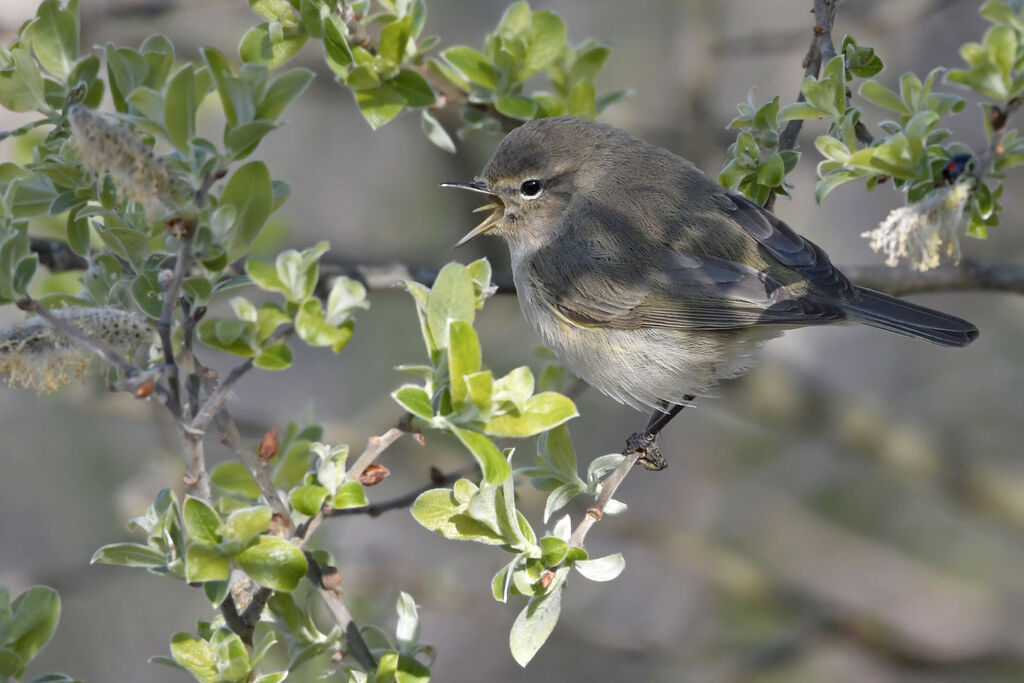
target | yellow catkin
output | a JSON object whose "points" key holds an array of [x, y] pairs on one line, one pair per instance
{"points": [[105, 146], [34, 355]]}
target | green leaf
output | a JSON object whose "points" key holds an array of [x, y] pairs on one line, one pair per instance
{"points": [[393, 39], [264, 276], [451, 298], [308, 499], [542, 412], [53, 37], [379, 105], [880, 96], [493, 465], [413, 88], [516, 106], [180, 103], [273, 562], [603, 568], [401, 669], [545, 41], [463, 358], [351, 494], [581, 100], [473, 65], [281, 92], [233, 477], [436, 133], [535, 623], [201, 521], [415, 400], [245, 524], [799, 110], [21, 85], [439, 511], [206, 563], [129, 555], [232, 336], [771, 171], [195, 655], [31, 621], [250, 192], [261, 46], [553, 551], [275, 357]]}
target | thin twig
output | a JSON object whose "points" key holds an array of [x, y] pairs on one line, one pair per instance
{"points": [[164, 327], [608, 488], [820, 51], [197, 481], [55, 255], [330, 591], [215, 401], [406, 499], [375, 445], [964, 276], [257, 468]]}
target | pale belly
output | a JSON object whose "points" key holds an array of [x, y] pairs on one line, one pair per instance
{"points": [[644, 368]]}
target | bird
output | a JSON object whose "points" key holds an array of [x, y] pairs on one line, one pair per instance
{"points": [[648, 279]]}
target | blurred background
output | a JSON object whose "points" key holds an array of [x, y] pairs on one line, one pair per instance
{"points": [[852, 510]]}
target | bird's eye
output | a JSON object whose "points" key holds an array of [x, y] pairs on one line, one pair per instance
{"points": [[530, 189]]}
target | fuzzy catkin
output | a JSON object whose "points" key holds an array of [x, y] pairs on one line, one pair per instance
{"points": [[36, 356], [104, 146]]}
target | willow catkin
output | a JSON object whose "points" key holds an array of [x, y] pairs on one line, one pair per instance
{"points": [[105, 146], [35, 355]]}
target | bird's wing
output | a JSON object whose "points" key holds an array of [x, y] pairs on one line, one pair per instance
{"points": [[788, 249], [595, 276], [675, 291]]}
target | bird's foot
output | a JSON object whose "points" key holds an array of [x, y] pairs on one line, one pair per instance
{"points": [[647, 446]]}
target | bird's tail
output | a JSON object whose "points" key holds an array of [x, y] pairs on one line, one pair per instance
{"points": [[896, 315]]}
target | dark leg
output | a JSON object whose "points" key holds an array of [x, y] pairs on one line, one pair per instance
{"points": [[646, 442]]}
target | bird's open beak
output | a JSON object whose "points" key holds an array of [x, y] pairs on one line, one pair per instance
{"points": [[496, 207]]}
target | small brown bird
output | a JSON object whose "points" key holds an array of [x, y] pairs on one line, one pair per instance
{"points": [[647, 278]]}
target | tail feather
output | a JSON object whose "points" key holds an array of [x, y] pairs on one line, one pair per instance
{"points": [[896, 315]]}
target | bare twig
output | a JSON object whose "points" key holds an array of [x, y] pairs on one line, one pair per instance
{"points": [[327, 582], [964, 276], [375, 445], [215, 401], [608, 488], [170, 294], [197, 481], [56, 255], [257, 468], [406, 499], [821, 50]]}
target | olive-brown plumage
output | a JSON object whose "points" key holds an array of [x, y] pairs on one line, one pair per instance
{"points": [[647, 278]]}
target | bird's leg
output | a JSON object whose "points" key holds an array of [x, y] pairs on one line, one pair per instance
{"points": [[646, 442]]}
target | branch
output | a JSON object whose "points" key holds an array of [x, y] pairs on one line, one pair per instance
{"points": [[328, 582], [55, 255], [257, 468], [636, 448], [375, 445], [216, 399], [821, 50], [197, 481], [171, 290], [965, 276], [405, 500]]}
